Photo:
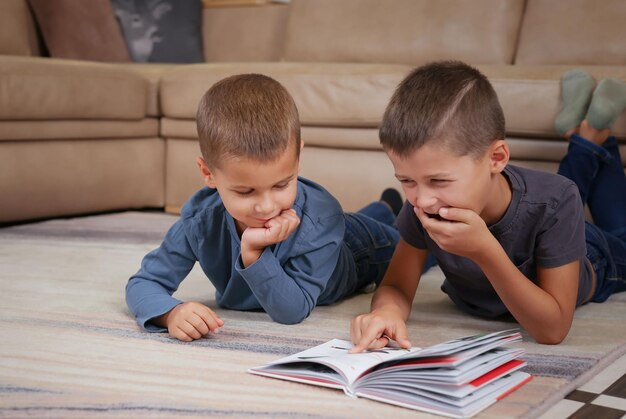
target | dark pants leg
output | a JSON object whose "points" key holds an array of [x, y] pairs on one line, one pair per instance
{"points": [[599, 175], [372, 237]]}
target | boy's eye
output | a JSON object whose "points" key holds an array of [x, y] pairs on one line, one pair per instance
{"points": [[439, 181], [244, 193], [406, 181], [281, 186]]}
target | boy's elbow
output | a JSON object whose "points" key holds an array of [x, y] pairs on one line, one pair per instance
{"points": [[287, 321], [550, 340], [290, 318], [553, 337]]}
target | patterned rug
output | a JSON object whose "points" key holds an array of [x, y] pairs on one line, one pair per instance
{"points": [[70, 348]]}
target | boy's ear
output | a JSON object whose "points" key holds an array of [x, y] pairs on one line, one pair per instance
{"points": [[498, 156], [207, 174]]}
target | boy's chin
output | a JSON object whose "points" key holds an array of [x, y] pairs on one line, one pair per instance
{"points": [[253, 224]]}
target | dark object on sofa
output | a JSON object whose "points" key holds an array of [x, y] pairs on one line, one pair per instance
{"points": [[160, 30]]}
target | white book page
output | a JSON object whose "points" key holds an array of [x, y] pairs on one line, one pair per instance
{"points": [[334, 354], [467, 346]]}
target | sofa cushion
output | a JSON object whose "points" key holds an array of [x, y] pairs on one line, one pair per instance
{"points": [[17, 29], [152, 73], [355, 95], [325, 93], [403, 31], [81, 30], [258, 35], [574, 32], [77, 130], [43, 88]]}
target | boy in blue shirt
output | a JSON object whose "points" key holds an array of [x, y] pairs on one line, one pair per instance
{"points": [[508, 239], [265, 238]]}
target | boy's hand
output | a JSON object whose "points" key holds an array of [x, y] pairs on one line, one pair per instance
{"points": [[255, 240], [459, 231], [191, 320], [375, 329]]}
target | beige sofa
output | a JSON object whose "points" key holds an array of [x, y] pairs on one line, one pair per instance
{"points": [[81, 137]]}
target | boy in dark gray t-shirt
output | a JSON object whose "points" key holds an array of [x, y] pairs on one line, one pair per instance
{"points": [[508, 239], [543, 225]]}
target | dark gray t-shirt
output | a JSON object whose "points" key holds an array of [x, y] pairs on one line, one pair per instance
{"points": [[543, 226]]}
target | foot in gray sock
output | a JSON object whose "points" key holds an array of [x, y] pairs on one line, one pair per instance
{"points": [[576, 90], [607, 103]]}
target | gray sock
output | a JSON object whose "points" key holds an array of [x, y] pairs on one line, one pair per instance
{"points": [[608, 102], [576, 90]]}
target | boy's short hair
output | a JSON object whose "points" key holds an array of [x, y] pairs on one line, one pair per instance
{"points": [[444, 103], [249, 115]]}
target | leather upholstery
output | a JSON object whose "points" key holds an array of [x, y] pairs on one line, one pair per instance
{"points": [[116, 136]]}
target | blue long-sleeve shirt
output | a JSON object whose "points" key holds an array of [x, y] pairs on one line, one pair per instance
{"points": [[312, 266]]}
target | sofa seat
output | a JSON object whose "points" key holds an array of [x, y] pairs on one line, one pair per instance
{"points": [[69, 130]]}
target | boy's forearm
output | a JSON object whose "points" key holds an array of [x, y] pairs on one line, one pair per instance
{"points": [[390, 298], [285, 297], [534, 308]]}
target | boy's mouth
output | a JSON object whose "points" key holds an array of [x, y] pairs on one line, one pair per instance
{"points": [[434, 216]]}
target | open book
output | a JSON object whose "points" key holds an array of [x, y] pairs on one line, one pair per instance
{"points": [[458, 378]]}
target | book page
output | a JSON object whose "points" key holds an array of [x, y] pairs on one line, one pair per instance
{"points": [[334, 354]]}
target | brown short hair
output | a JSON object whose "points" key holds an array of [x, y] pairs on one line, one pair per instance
{"points": [[249, 115], [447, 103]]}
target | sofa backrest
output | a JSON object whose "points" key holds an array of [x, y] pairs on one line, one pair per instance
{"points": [[403, 31], [251, 33], [576, 32], [18, 35]]}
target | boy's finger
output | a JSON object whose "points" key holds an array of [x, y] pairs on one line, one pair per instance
{"points": [[421, 216], [294, 221], [367, 339], [208, 317], [185, 330], [431, 225], [190, 329], [456, 214], [289, 213], [179, 334], [355, 331], [199, 324], [202, 309], [293, 225], [213, 325], [402, 337]]}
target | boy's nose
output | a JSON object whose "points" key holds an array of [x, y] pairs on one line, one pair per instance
{"points": [[424, 200], [264, 206]]}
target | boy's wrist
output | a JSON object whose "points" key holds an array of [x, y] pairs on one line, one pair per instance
{"points": [[162, 320], [250, 255], [489, 254], [390, 304]]}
